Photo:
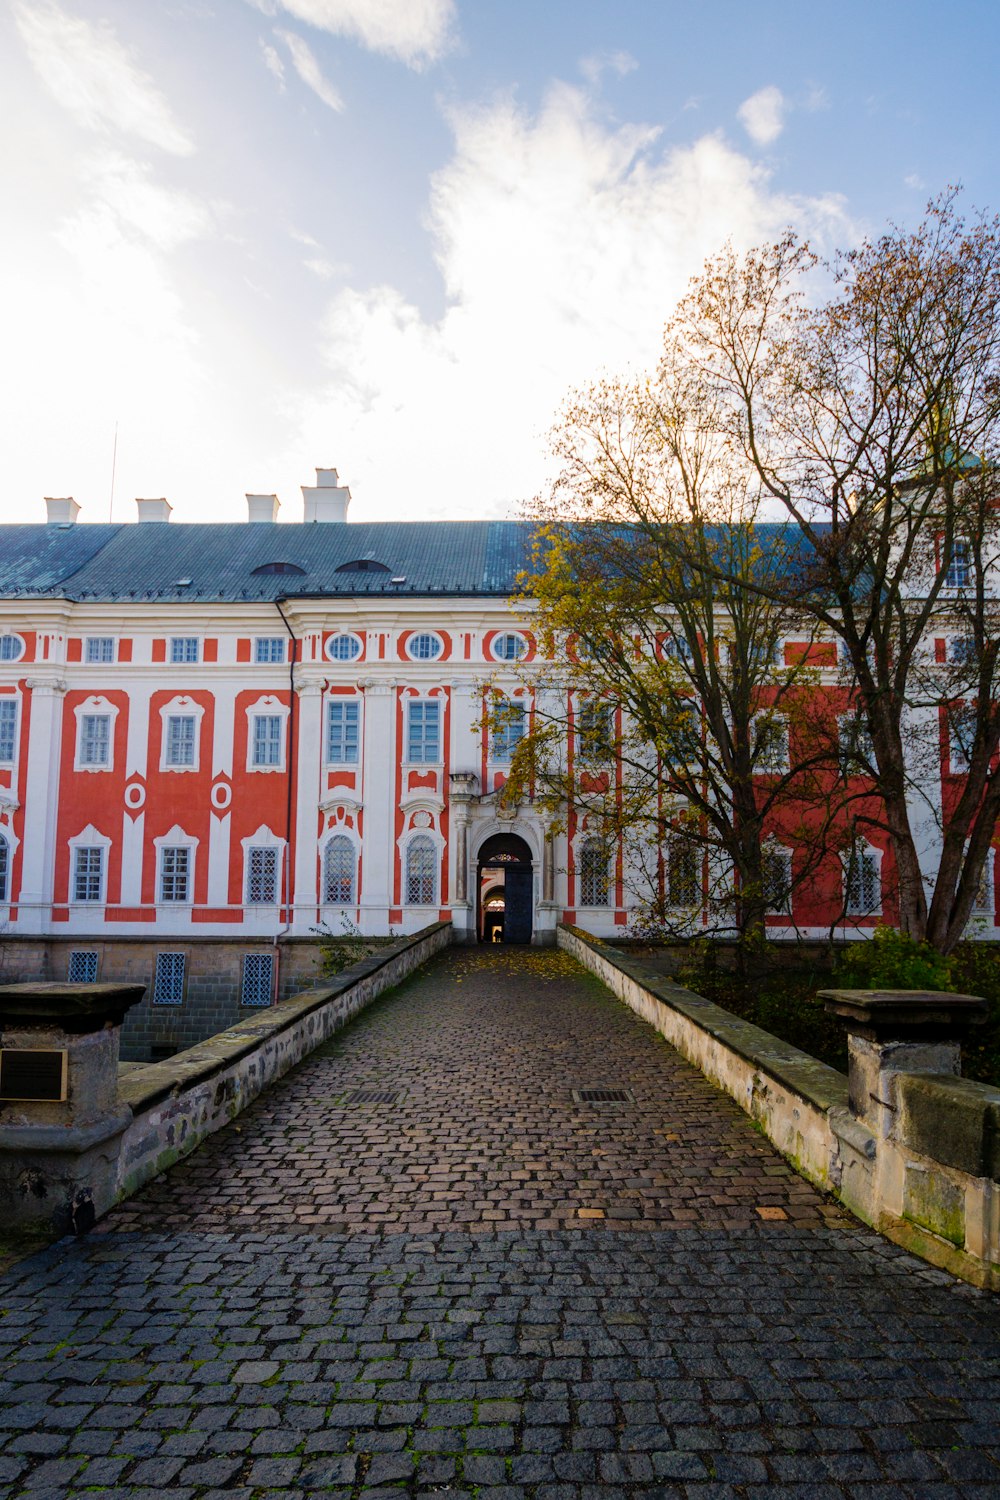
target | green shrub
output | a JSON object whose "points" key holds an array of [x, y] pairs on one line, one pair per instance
{"points": [[338, 950], [890, 960]]}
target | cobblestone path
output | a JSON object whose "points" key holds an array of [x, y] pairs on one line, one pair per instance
{"points": [[415, 1299]]}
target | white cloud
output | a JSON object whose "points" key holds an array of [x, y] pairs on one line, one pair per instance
{"points": [[415, 31], [305, 64], [273, 63], [914, 180], [763, 115], [95, 77], [619, 63], [563, 246]]}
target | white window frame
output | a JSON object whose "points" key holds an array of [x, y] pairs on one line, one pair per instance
{"points": [[178, 642], [588, 844], [854, 739], [6, 865], [260, 641], [267, 708], [770, 763], [675, 847], [180, 708], [424, 635], [956, 574], [89, 838], [506, 737], [15, 700], [263, 838], [95, 707], [14, 655], [336, 701], [958, 752], [176, 839], [776, 852], [593, 749], [254, 852], [339, 835], [94, 649], [343, 659], [874, 856], [424, 760], [517, 654], [419, 839], [77, 875]]}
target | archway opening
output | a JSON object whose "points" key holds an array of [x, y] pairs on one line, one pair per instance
{"points": [[504, 890]]}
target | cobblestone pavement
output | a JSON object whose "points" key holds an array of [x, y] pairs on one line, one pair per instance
{"points": [[285, 1354]]}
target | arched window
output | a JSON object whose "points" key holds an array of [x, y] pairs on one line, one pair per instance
{"points": [[862, 880], [421, 872], [4, 867], [339, 866], [595, 882]]}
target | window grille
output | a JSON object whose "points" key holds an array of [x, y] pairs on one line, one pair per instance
{"points": [[184, 648], [595, 883], [423, 742], [11, 647], [82, 967], [339, 865], [262, 877], [777, 880], [267, 740], [4, 867], [269, 648], [99, 648], [509, 647], [421, 872], [682, 873], [175, 872], [596, 731], [509, 732], [168, 979], [343, 648], [88, 872], [425, 647], [957, 573], [342, 733], [258, 978], [180, 740], [8, 729], [95, 739], [863, 885]]}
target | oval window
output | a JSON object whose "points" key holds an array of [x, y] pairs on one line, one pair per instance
{"points": [[11, 648], [425, 647], [343, 647], [509, 647]]}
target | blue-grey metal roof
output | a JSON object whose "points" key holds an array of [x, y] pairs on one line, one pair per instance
{"points": [[147, 561]]}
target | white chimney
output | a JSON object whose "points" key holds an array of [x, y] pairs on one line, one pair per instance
{"points": [[153, 510], [61, 512], [262, 507], [327, 500]]}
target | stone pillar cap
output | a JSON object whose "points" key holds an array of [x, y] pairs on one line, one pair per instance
{"points": [[902, 1015], [74, 1007]]}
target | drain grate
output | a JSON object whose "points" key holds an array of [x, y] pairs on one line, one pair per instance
{"points": [[372, 1096], [603, 1096]]}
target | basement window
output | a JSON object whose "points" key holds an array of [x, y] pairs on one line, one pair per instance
{"points": [[258, 977]]}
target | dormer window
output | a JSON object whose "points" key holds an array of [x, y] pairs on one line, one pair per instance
{"points": [[268, 568], [363, 565]]}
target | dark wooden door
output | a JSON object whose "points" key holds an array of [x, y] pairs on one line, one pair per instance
{"points": [[517, 892]]}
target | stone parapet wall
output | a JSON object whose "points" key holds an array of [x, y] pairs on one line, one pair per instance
{"points": [[930, 1183]]}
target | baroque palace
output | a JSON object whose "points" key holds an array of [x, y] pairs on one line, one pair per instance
{"points": [[243, 731]]}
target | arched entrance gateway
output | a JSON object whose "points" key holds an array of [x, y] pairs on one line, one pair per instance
{"points": [[504, 890]]}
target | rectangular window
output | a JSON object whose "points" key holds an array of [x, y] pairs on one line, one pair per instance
{"points": [[269, 648], [267, 740], [99, 648], [423, 738], [168, 980], [770, 744], [864, 889], [175, 873], [777, 873], [857, 753], [342, 734], [82, 967], [682, 873], [508, 732], [258, 979], [88, 872], [957, 573], [180, 740], [184, 648], [95, 739], [262, 877], [962, 651], [596, 732], [961, 737], [8, 730]]}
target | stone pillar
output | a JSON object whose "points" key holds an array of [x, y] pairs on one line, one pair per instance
{"points": [[379, 773], [41, 801], [60, 1120], [306, 770], [898, 1031], [464, 789]]}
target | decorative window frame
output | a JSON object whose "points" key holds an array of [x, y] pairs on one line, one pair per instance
{"points": [[423, 698], [509, 635], [344, 635], [8, 806], [268, 707], [581, 844], [417, 635], [263, 838], [181, 707], [174, 839], [358, 701], [93, 707], [89, 838], [428, 835], [845, 865], [14, 698], [339, 831], [12, 635], [493, 743]]}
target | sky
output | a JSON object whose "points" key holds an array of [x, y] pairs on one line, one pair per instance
{"points": [[243, 239]]}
